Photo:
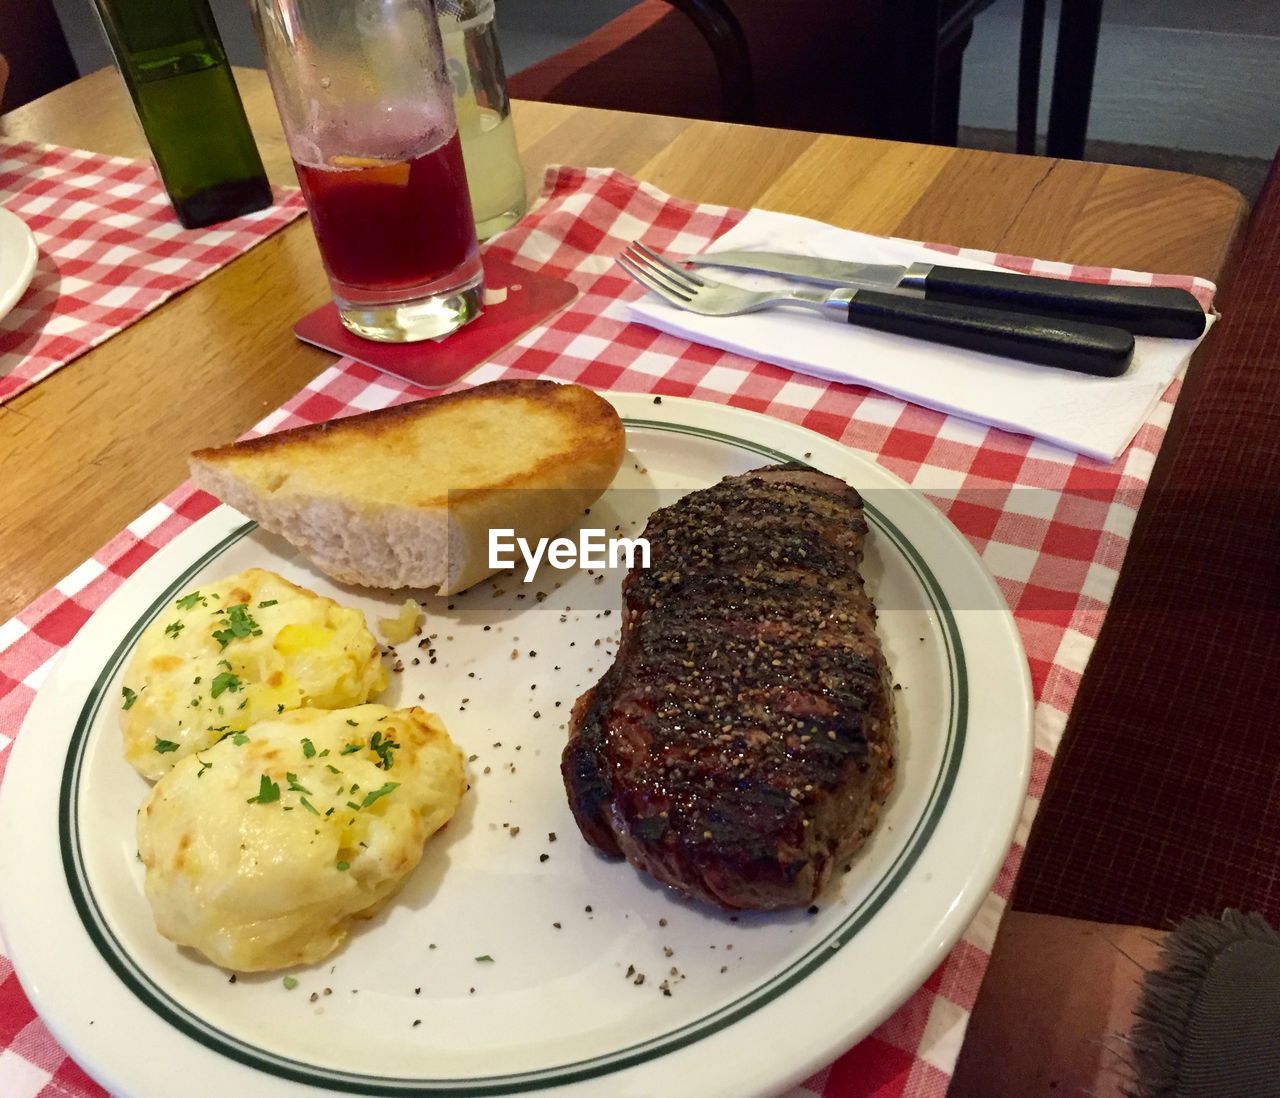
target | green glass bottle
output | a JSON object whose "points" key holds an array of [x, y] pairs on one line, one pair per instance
{"points": [[177, 73]]}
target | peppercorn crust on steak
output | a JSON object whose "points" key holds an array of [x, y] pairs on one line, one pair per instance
{"points": [[741, 744], [262, 851], [227, 654]]}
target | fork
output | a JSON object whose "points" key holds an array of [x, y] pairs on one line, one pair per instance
{"points": [[1068, 344]]}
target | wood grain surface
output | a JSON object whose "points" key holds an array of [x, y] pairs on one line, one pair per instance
{"points": [[86, 450]]}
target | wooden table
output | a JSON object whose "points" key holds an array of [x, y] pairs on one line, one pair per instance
{"points": [[89, 448]]}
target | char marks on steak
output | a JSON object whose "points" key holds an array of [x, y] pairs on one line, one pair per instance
{"points": [[741, 744]]}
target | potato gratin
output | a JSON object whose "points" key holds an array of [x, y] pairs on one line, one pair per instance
{"points": [[262, 849], [235, 652]]}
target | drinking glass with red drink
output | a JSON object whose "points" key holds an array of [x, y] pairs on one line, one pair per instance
{"points": [[368, 114]]}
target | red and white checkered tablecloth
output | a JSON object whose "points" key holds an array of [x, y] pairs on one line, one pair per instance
{"points": [[1051, 526], [111, 250]]}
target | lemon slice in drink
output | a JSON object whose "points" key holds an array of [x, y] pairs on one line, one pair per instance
{"points": [[393, 172]]}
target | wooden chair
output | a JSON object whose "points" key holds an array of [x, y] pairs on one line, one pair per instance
{"points": [[865, 67], [1079, 27]]}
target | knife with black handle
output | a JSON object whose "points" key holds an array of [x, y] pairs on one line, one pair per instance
{"points": [[1143, 310], [1068, 344]]}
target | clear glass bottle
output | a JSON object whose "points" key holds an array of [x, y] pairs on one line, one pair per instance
{"points": [[178, 76], [484, 114]]}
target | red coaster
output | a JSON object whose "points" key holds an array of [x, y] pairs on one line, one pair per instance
{"points": [[530, 299]]}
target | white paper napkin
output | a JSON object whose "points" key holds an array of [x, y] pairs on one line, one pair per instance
{"points": [[1089, 415]]}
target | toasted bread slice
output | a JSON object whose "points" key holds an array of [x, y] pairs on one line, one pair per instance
{"points": [[406, 496]]}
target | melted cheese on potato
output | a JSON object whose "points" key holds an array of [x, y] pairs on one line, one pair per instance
{"points": [[261, 851], [228, 654]]}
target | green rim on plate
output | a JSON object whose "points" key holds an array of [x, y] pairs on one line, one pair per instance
{"points": [[217, 1040]]}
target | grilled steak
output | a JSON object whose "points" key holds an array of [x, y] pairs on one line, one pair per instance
{"points": [[741, 744]]}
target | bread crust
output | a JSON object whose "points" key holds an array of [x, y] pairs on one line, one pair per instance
{"points": [[405, 496]]}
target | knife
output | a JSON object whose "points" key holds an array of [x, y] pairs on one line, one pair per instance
{"points": [[1047, 341], [1142, 310]]}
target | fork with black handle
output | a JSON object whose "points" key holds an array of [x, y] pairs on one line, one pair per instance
{"points": [[1067, 344]]}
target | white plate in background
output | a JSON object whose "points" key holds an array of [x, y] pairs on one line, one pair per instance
{"points": [[18, 254]]}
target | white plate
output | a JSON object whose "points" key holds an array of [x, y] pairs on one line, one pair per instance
{"points": [[18, 255], [761, 1000]]}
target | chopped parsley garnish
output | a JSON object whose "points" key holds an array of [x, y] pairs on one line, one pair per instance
{"points": [[351, 749], [173, 629], [323, 753], [308, 806], [485, 957], [381, 791], [342, 867], [332, 769], [239, 739], [129, 697], [352, 804], [383, 747], [239, 624], [203, 766], [280, 708], [268, 791], [163, 747], [195, 681], [294, 786], [351, 722], [290, 982], [267, 602], [308, 749], [188, 602], [224, 681]]}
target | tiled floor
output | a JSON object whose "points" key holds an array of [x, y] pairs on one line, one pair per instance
{"points": [[1170, 73]]}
